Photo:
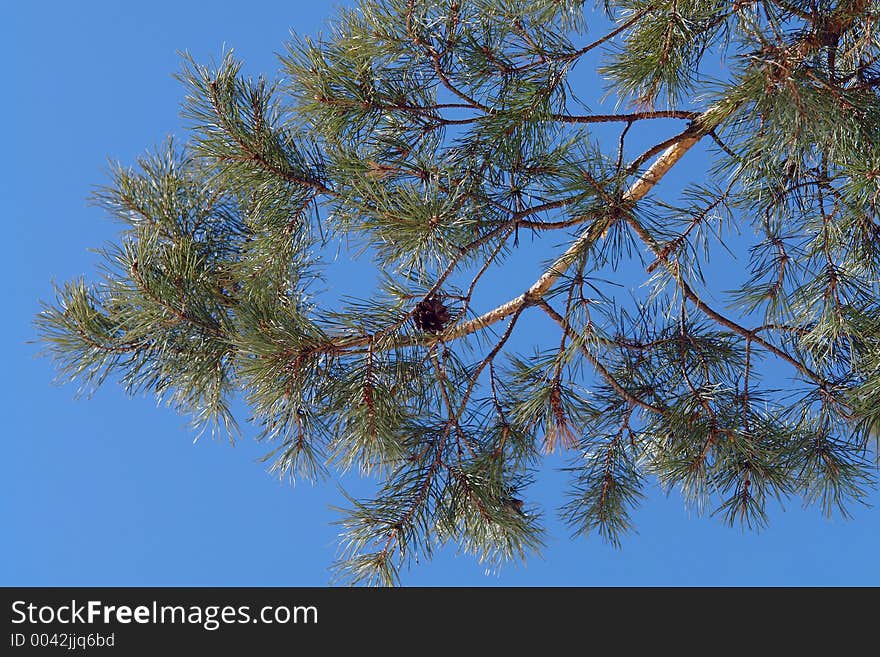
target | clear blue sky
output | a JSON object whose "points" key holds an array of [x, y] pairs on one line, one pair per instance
{"points": [[112, 490]]}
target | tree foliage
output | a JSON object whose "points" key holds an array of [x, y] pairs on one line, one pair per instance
{"points": [[442, 138]]}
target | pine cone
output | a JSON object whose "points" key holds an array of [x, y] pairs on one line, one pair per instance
{"points": [[431, 315]]}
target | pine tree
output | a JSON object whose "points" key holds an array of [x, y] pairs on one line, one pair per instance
{"points": [[445, 139]]}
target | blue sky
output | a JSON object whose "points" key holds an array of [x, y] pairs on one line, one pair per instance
{"points": [[113, 490]]}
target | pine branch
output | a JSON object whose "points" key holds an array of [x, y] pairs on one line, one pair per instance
{"points": [[431, 135]]}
